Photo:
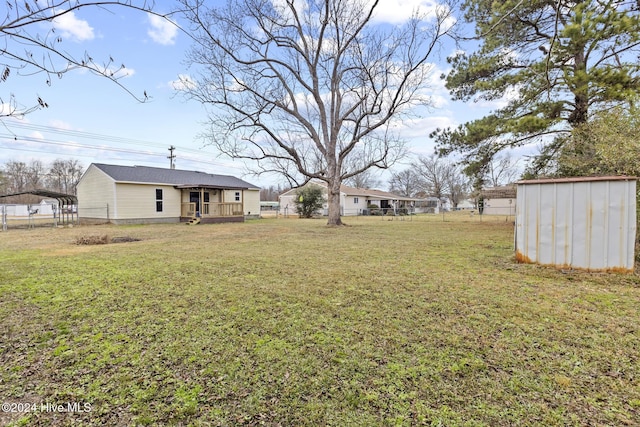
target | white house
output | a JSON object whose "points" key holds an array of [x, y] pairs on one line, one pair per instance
{"points": [[466, 205], [499, 200], [353, 201], [140, 194]]}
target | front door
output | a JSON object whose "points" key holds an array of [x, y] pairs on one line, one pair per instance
{"points": [[194, 197]]}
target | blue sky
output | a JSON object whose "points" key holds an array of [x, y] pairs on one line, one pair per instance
{"points": [[92, 120]]}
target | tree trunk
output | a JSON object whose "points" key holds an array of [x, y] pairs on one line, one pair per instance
{"points": [[333, 199], [580, 113]]}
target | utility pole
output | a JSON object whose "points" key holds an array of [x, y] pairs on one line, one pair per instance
{"points": [[171, 156]]}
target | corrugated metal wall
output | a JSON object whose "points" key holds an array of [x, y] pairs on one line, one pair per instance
{"points": [[583, 223]]}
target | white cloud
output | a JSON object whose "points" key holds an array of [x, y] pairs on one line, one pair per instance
{"points": [[418, 129], [284, 10], [59, 124], [162, 31], [182, 83], [73, 28], [399, 11], [113, 72], [36, 135], [510, 94]]}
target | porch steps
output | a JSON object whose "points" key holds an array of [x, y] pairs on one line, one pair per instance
{"points": [[193, 221]]}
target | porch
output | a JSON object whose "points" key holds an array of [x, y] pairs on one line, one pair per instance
{"points": [[209, 205], [211, 210]]}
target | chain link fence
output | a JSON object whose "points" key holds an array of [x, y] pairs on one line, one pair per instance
{"points": [[14, 216], [17, 216]]}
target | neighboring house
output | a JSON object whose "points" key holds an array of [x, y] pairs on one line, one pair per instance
{"points": [[429, 205], [140, 194], [466, 205], [353, 201], [499, 200]]}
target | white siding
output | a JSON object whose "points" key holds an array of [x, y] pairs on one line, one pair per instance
{"points": [[287, 205], [499, 207], [252, 203], [138, 201], [581, 224], [96, 194], [350, 207], [229, 196]]}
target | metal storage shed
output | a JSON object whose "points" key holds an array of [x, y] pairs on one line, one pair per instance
{"points": [[584, 223]]}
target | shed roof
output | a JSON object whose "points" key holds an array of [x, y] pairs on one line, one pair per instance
{"points": [[178, 177], [577, 179]]}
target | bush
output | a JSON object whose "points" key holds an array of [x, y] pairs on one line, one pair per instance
{"points": [[309, 200]]}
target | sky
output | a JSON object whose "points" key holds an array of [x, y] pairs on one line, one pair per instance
{"points": [[91, 119]]}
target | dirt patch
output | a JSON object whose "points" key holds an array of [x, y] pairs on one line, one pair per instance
{"points": [[124, 239], [103, 240], [93, 240]]}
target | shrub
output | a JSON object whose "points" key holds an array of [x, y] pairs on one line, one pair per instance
{"points": [[309, 200]]}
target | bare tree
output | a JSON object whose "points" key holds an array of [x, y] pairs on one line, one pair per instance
{"points": [[433, 172], [405, 183], [502, 170], [64, 175], [365, 179], [19, 177], [35, 175], [442, 178], [297, 88], [29, 44], [271, 193], [16, 176], [458, 186]]}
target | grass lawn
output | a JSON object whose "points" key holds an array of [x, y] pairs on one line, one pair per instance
{"points": [[289, 322]]}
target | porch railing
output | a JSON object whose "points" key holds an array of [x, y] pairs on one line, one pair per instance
{"points": [[212, 209]]}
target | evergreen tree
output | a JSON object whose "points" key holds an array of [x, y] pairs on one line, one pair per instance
{"points": [[552, 63]]}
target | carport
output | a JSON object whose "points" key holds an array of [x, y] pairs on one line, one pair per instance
{"points": [[67, 203]]}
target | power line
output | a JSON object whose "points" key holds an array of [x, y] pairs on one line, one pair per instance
{"points": [[89, 135], [13, 138], [93, 156]]}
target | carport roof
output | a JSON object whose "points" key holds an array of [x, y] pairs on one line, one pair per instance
{"points": [[67, 198]]}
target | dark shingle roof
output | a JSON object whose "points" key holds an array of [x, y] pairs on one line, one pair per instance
{"points": [[505, 192], [144, 174], [364, 192]]}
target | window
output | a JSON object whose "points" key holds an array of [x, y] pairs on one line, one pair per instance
{"points": [[158, 199], [237, 196], [355, 201]]}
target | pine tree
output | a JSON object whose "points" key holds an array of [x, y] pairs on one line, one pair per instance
{"points": [[553, 62]]}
